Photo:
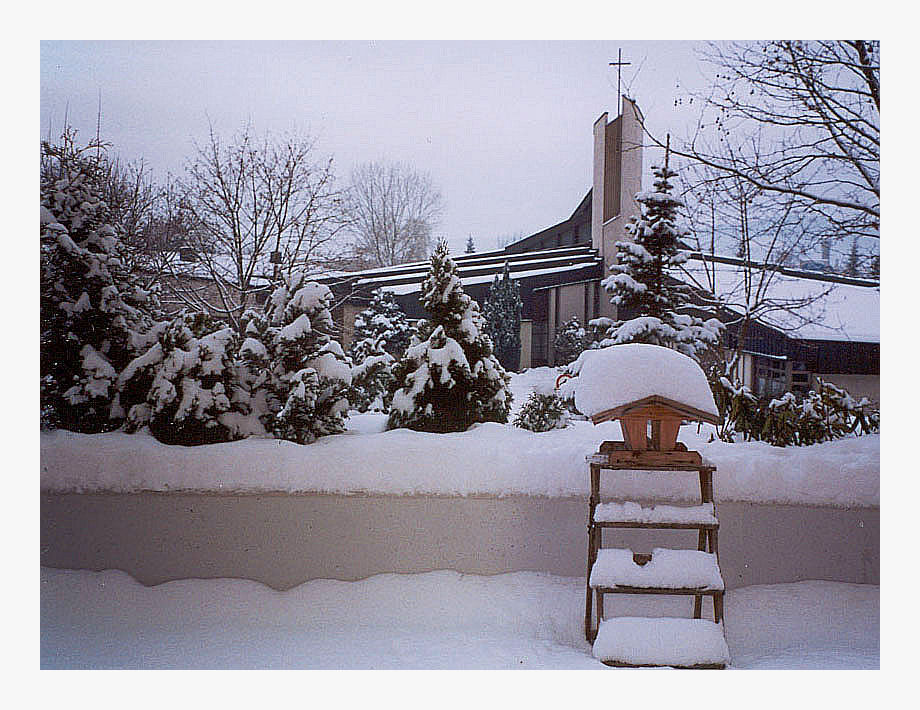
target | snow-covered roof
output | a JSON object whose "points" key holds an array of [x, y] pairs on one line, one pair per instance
{"points": [[481, 268], [844, 310], [403, 289], [611, 377]]}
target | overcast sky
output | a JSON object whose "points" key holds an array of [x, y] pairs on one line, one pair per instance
{"points": [[504, 128]]}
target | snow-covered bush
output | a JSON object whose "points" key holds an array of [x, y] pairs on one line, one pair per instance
{"points": [[381, 336], [95, 316], [642, 283], [825, 413], [502, 315], [542, 412], [571, 341], [449, 378], [183, 387], [297, 376]]}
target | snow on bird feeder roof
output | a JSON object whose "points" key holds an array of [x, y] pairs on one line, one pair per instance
{"points": [[613, 379]]}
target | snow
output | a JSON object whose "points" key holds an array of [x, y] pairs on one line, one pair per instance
{"points": [[300, 327], [846, 313], [404, 289], [673, 569], [488, 459], [617, 375], [673, 641], [634, 513], [434, 620]]}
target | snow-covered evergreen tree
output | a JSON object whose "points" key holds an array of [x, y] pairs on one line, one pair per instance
{"points": [[571, 341], [449, 378], [380, 326], [470, 247], [641, 279], [304, 392], [95, 316], [542, 412], [381, 336], [502, 314], [184, 386]]}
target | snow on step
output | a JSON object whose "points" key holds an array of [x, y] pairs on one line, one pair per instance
{"points": [[661, 642], [630, 512], [668, 569]]}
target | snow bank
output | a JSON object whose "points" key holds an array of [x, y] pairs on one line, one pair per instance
{"points": [[489, 459], [614, 376], [433, 620]]}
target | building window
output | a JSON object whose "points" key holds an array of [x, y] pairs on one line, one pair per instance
{"points": [[770, 378]]}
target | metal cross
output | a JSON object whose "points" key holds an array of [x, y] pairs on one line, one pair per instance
{"points": [[619, 64]]}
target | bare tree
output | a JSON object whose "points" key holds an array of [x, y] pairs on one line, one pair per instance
{"points": [[260, 208], [802, 119], [156, 221], [724, 209], [392, 211]]}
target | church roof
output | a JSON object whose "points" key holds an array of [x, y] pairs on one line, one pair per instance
{"points": [[481, 267]]}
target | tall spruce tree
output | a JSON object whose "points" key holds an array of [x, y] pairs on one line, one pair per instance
{"points": [[95, 316], [502, 313], [642, 282], [450, 377]]}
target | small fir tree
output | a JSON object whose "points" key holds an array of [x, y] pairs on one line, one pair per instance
{"points": [[641, 281], [470, 247], [380, 326], [95, 316], [305, 391], [449, 378], [502, 314], [542, 412], [184, 386], [571, 341], [381, 336]]}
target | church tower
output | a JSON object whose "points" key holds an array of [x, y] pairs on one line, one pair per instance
{"points": [[617, 179]]}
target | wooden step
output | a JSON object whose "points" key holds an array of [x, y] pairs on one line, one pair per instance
{"points": [[629, 514], [665, 571], [680, 643]]}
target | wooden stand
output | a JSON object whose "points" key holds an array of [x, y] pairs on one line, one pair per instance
{"points": [[618, 456]]}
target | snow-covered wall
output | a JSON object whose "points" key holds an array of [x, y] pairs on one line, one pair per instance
{"points": [[283, 540], [489, 459]]}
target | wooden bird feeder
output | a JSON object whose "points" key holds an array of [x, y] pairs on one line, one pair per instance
{"points": [[651, 424]]}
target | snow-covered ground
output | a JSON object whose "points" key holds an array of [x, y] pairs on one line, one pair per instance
{"points": [[440, 619], [488, 459], [436, 620]]}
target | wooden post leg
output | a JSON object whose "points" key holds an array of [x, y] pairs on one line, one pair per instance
{"points": [[717, 606], [592, 554], [698, 606], [706, 486], [600, 609]]}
